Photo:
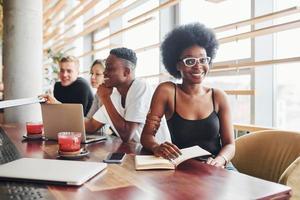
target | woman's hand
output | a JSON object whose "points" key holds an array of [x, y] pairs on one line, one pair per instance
{"points": [[218, 161], [49, 99], [166, 150]]}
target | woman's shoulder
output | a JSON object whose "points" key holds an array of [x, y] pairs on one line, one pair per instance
{"points": [[164, 91], [166, 86], [218, 92], [220, 96]]}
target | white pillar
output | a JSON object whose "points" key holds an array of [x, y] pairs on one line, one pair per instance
{"points": [[22, 57]]}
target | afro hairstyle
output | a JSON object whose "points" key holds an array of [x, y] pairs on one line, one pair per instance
{"points": [[183, 37]]}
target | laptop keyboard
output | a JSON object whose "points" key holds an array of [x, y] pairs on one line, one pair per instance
{"points": [[18, 190], [8, 151]]}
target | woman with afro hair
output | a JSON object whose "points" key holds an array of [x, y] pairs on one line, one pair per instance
{"points": [[196, 114]]}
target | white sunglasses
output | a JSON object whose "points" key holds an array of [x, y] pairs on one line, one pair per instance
{"points": [[191, 61]]}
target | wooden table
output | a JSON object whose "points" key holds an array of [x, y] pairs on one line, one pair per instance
{"points": [[191, 180]]}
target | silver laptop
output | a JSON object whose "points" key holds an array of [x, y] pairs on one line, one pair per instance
{"points": [[66, 118], [50, 171]]}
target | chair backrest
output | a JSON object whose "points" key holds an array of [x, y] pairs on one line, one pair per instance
{"points": [[291, 177], [266, 154]]}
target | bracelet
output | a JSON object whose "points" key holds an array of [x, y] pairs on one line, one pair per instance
{"points": [[225, 158]]}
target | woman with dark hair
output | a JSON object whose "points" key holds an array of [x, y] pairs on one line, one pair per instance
{"points": [[97, 78], [196, 114]]}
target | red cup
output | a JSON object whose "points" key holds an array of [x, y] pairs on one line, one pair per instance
{"points": [[69, 141], [34, 128]]}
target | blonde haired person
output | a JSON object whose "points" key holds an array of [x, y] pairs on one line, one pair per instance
{"points": [[71, 88]]}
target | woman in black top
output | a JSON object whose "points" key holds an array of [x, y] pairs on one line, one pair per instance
{"points": [[196, 115]]}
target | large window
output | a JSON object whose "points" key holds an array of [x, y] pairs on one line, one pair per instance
{"points": [[240, 104], [101, 51], [142, 36], [218, 14], [215, 15], [287, 77]]}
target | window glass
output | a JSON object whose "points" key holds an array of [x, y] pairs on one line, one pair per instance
{"points": [[146, 65], [287, 89], [287, 96], [228, 12], [239, 104], [102, 32], [101, 51], [147, 34]]}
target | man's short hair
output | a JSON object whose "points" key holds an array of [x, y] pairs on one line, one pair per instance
{"points": [[125, 53], [69, 59]]}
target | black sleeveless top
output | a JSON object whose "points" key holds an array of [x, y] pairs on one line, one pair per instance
{"points": [[204, 132]]}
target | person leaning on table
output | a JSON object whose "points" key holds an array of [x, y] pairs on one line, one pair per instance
{"points": [[196, 114], [125, 98]]}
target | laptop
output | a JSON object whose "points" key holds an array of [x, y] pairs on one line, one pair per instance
{"points": [[66, 118], [62, 172]]}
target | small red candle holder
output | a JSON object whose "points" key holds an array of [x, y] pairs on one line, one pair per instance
{"points": [[69, 142], [34, 128]]}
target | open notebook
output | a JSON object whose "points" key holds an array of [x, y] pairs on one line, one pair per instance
{"points": [[143, 162], [50, 171], [65, 118]]}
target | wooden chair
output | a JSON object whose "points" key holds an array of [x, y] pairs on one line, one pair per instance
{"points": [[271, 155]]}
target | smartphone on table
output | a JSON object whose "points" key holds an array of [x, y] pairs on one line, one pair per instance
{"points": [[116, 157]]}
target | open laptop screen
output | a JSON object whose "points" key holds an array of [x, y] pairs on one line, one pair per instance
{"points": [[65, 118]]}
